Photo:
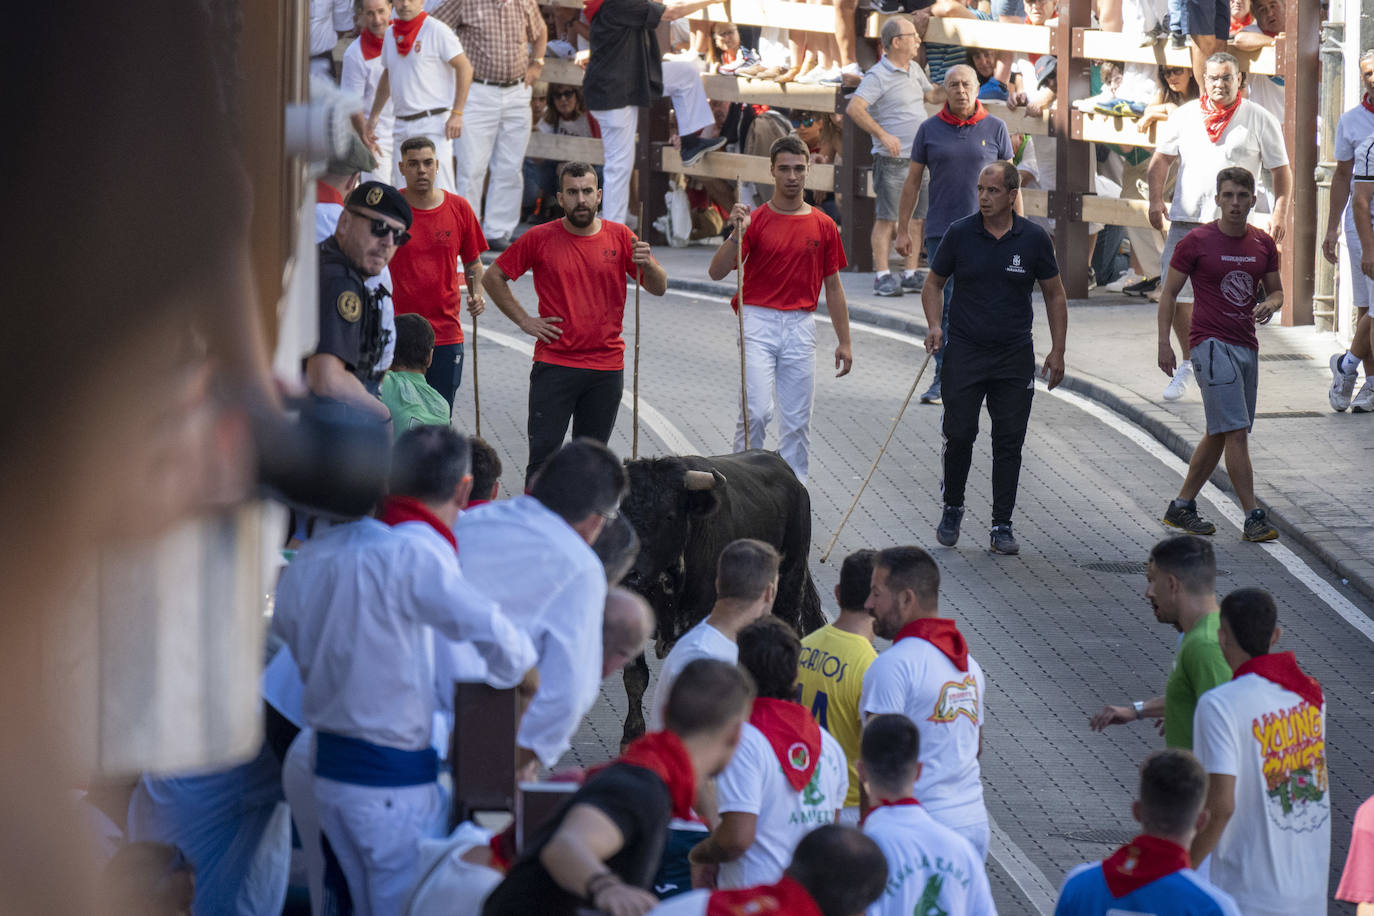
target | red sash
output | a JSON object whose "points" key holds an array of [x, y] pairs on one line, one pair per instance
{"points": [[787, 898], [941, 633], [1215, 119], [372, 44], [406, 32], [1141, 861], [591, 8], [662, 754], [327, 194], [397, 509], [1282, 668], [884, 803], [979, 113], [794, 736]]}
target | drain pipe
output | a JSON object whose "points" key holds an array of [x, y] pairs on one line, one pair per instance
{"points": [[1332, 100]]}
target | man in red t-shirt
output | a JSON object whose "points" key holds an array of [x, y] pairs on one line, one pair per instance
{"points": [[791, 250], [580, 266], [1228, 261], [425, 273]]}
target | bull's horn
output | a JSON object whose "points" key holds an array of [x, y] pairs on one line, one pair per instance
{"points": [[699, 480]]}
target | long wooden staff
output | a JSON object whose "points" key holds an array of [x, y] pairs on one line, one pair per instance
{"points": [[476, 389], [879, 457], [739, 311], [639, 281]]}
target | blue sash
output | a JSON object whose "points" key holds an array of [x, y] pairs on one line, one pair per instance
{"points": [[362, 763]]}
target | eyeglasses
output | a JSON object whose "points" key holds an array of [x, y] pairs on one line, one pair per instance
{"points": [[381, 229], [806, 121], [564, 93]]}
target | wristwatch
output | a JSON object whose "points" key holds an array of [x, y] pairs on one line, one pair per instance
{"points": [[1139, 706], [537, 60]]}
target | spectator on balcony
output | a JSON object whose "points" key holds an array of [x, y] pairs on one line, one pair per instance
{"points": [[941, 58], [1266, 22], [725, 54], [567, 116]]}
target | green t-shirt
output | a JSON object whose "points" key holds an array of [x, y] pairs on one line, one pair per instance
{"points": [[1198, 668], [412, 401]]}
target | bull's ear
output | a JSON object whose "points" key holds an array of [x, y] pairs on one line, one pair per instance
{"points": [[705, 503]]}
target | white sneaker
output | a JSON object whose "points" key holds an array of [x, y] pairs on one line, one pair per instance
{"points": [[1129, 278], [1342, 385], [1364, 401], [817, 75], [1178, 385]]}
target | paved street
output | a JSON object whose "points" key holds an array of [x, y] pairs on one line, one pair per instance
{"points": [[1060, 630]]}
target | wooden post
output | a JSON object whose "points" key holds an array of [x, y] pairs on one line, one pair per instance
{"points": [[1299, 61], [1074, 168], [856, 208], [653, 182], [482, 751]]}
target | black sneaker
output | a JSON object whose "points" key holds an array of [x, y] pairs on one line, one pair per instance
{"points": [[947, 533], [696, 146], [1257, 527], [1177, 41], [1185, 518], [1001, 541], [1141, 288]]}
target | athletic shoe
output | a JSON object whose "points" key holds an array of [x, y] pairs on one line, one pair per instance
{"points": [[1342, 385], [1178, 385], [694, 147], [1001, 541], [1185, 518], [849, 75], [1143, 288], [1155, 34], [1257, 527], [499, 243], [1117, 108], [1364, 401], [1177, 41], [887, 285], [932, 395], [913, 283], [747, 58], [947, 532], [1130, 278], [817, 75]]}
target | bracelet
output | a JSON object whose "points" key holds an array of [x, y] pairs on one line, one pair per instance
{"points": [[598, 882], [1139, 706]]}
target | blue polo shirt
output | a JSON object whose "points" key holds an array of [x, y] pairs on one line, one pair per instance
{"points": [[955, 156], [1182, 893], [993, 280]]}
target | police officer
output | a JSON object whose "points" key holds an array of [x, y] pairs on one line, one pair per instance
{"points": [[371, 227], [996, 257]]}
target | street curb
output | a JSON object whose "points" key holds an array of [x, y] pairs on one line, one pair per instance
{"points": [[1118, 400]]}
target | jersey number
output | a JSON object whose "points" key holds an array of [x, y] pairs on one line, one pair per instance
{"points": [[819, 709]]}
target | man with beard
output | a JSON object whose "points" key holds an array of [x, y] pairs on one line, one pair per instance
{"points": [[580, 266]]}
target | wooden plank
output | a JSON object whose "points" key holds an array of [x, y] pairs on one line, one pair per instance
{"points": [[729, 166], [1036, 201], [1018, 122], [565, 149], [1122, 46], [975, 33], [804, 17], [766, 92], [1114, 211], [557, 70], [1099, 128]]}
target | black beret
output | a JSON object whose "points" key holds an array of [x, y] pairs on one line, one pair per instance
{"points": [[382, 198]]}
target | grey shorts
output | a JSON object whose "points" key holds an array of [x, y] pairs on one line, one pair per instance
{"points": [[1228, 377], [889, 175]]}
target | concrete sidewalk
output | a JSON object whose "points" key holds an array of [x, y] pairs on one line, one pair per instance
{"points": [[1311, 464]]}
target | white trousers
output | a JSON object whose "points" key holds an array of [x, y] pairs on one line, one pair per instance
{"points": [[780, 368], [433, 128], [682, 84], [618, 143], [298, 784], [496, 128]]}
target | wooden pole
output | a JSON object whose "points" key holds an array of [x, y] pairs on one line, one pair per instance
{"points": [[879, 457], [476, 392], [739, 312], [639, 281]]}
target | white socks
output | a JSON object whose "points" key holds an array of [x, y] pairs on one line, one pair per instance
{"points": [[1349, 363]]}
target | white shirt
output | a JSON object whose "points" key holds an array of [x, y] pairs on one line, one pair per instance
{"points": [[322, 34], [1263, 734], [551, 585], [356, 608], [1252, 140], [423, 79], [754, 783], [360, 76], [701, 641], [947, 705], [1354, 126], [326, 221], [692, 903], [930, 868]]}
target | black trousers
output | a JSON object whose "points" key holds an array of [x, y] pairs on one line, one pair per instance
{"points": [[1005, 378], [445, 372], [590, 398]]}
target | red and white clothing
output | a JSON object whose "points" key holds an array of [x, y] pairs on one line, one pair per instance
{"points": [[423, 80], [1252, 139], [1226, 272], [581, 279], [786, 898], [362, 70], [428, 270], [1267, 728], [929, 677], [927, 864]]}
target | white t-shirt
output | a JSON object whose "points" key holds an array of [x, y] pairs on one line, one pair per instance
{"points": [[1264, 91], [1252, 140], [1352, 129], [930, 868], [701, 641], [360, 77], [917, 680], [754, 783], [422, 80], [1265, 735]]}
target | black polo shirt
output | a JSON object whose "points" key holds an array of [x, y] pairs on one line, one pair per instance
{"points": [[993, 280]]}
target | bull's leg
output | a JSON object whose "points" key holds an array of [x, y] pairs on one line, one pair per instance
{"points": [[636, 682]]}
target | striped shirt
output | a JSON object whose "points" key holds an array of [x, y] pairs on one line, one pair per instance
{"points": [[939, 58]]}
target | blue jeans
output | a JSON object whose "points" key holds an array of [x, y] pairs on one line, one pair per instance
{"points": [[445, 373], [933, 245]]}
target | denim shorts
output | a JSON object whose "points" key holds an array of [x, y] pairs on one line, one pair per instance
{"points": [[889, 175], [1207, 17], [1228, 378]]}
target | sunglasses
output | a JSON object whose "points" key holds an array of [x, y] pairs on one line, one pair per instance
{"points": [[806, 121], [381, 229], [564, 93]]}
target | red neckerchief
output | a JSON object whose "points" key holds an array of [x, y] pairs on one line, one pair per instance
{"points": [[591, 7], [474, 503], [397, 509], [979, 113], [1238, 24], [662, 754], [1215, 119], [941, 633], [1364, 100], [1282, 668], [786, 897], [372, 44], [326, 193], [1140, 862], [406, 32], [884, 803], [794, 736]]}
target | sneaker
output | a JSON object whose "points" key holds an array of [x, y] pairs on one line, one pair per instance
{"points": [[1141, 289], [1364, 401], [694, 147], [1156, 33], [1131, 278], [1001, 541], [1257, 527], [817, 75], [913, 283], [747, 58], [1117, 108], [887, 285], [947, 532], [1177, 41], [1178, 385], [498, 243], [1342, 385], [1185, 518], [850, 74], [932, 395]]}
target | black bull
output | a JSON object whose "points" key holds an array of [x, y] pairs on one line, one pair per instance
{"points": [[685, 510]]}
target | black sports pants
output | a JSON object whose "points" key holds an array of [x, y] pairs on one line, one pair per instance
{"points": [[1006, 379], [588, 397]]}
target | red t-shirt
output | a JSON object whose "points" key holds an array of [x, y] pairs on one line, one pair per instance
{"points": [[787, 258], [581, 279], [1226, 272], [427, 271]]}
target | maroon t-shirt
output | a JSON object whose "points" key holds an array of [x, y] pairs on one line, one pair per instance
{"points": [[1226, 272]]}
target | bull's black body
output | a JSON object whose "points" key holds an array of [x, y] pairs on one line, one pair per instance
{"points": [[683, 531]]}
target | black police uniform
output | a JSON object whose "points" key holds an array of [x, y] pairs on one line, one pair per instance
{"points": [[350, 314]]}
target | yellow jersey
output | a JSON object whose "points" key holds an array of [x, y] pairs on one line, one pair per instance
{"points": [[830, 683]]}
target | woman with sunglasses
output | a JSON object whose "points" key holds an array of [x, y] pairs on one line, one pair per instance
{"points": [[1176, 86], [566, 116]]}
